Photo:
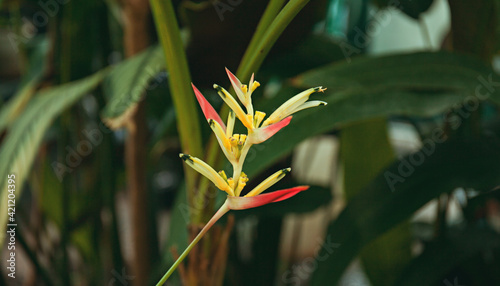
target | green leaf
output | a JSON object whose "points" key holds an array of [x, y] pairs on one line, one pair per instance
{"points": [[181, 91], [420, 84], [15, 106], [21, 144], [365, 151], [28, 85], [456, 247], [422, 71], [402, 189], [312, 52], [127, 84]]}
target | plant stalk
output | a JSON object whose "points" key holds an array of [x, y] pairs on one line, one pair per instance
{"points": [[180, 88], [136, 39], [222, 210]]}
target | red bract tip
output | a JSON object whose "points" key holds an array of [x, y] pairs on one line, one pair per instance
{"points": [[241, 203], [207, 108]]}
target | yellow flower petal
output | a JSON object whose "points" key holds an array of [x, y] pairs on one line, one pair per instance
{"points": [[257, 119], [242, 182], [223, 175], [233, 104], [309, 104], [230, 124], [207, 171], [290, 105], [219, 132], [243, 138], [273, 179]]}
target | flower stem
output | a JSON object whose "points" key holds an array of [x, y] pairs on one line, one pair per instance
{"points": [[256, 56], [272, 9], [222, 210]]}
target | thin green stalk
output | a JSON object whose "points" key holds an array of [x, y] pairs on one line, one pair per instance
{"points": [[179, 83], [223, 210], [272, 9], [272, 33]]}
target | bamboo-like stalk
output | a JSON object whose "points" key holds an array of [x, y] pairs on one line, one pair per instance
{"points": [[136, 39], [269, 37], [272, 10], [180, 87]]}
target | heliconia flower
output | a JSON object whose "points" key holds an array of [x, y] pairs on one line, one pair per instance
{"points": [[236, 146]]}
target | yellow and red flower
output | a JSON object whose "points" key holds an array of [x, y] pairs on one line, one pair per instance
{"points": [[236, 146]]}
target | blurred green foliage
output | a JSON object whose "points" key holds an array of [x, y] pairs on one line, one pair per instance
{"points": [[63, 78]]}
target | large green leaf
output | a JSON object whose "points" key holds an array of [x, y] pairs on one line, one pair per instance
{"points": [[15, 106], [420, 84], [28, 84], [457, 247], [127, 84], [423, 71], [21, 144], [365, 151], [401, 190]]}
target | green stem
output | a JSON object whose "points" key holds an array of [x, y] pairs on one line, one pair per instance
{"points": [[271, 35], [272, 9], [179, 83], [223, 210]]}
